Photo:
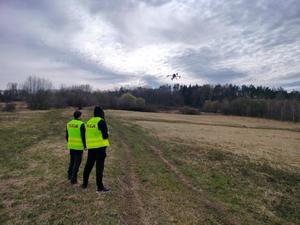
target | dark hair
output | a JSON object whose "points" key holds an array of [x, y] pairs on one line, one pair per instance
{"points": [[98, 112], [77, 114]]}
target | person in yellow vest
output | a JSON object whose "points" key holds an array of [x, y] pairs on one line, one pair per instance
{"points": [[75, 135], [96, 143]]}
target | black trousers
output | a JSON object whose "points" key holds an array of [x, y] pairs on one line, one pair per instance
{"points": [[97, 155], [75, 161]]}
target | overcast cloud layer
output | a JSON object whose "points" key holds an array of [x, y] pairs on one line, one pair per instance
{"points": [[109, 43]]}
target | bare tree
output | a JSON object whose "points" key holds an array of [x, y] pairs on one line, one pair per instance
{"points": [[11, 92], [34, 84], [38, 92]]}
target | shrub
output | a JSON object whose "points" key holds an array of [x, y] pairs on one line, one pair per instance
{"points": [[211, 106], [127, 101], [9, 107], [189, 110], [39, 100], [140, 103]]}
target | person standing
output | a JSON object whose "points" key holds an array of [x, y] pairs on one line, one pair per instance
{"points": [[96, 142], [75, 135]]}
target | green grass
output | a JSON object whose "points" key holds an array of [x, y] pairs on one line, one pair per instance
{"points": [[17, 137]]}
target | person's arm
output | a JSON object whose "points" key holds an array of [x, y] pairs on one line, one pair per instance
{"points": [[82, 132], [67, 135], [103, 128]]}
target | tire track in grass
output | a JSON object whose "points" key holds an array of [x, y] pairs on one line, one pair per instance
{"points": [[134, 212], [196, 195], [217, 207], [174, 169]]}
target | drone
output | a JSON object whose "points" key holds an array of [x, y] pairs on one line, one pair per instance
{"points": [[174, 76]]}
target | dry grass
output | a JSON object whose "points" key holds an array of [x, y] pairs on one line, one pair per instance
{"points": [[207, 119], [278, 144]]}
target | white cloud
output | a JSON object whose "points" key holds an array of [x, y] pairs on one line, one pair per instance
{"points": [[113, 43]]}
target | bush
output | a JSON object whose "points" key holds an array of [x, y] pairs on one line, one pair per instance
{"points": [[189, 110], [140, 103], [127, 101], [39, 100], [9, 107], [211, 106]]}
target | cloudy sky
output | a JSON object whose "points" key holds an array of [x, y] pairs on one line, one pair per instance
{"points": [[113, 43]]}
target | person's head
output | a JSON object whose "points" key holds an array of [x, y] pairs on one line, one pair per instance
{"points": [[77, 114], [98, 112]]}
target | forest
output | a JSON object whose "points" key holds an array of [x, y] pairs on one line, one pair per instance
{"points": [[229, 99]]}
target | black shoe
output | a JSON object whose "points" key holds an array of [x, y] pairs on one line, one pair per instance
{"points": [[73, 181], [84, 186], [103, 189]]}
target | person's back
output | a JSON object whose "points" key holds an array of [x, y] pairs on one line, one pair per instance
{"points": [[94, 136], [75, 136], [97, 142]]}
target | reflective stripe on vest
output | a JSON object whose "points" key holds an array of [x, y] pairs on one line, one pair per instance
{"points": [[74, 135], [94, 138]]}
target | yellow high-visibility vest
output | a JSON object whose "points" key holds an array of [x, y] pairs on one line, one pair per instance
{"points": [[94, 138], [74, 135]]}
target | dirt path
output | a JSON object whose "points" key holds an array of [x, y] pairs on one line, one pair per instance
{"points": [[134, 211]]}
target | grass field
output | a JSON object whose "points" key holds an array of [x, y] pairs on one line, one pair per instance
{"points": [[162, 169]]}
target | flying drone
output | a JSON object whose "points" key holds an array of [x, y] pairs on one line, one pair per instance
{"points": [[174, 76]]}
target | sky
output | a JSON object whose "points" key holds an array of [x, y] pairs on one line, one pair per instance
{"points": [[114, 43]]}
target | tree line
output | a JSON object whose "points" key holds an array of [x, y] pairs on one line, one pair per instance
{"points": [[245, 100]]}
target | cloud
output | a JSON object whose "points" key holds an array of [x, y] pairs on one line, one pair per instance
{"points": [[207, 64], [133, 42], [150, 81], [290, 81]]}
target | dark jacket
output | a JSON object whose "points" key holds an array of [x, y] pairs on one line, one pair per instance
{"points": [[103, 128], [98, 112]]}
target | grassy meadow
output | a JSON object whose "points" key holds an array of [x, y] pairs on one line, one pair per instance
{"points": [[162, 169]]}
